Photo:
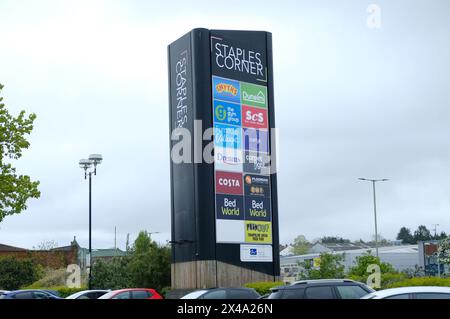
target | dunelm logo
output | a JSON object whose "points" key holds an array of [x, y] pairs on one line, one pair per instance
{"points": [[258, 98]]}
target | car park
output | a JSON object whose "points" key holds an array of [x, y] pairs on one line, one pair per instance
{"points": [[418, 292], [322, 289], [132, 293], [223, 293], [29, 294], [88, 294]]}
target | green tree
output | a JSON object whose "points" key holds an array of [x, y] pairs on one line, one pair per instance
{"points": [[15, 273], [422, 234], [301, 245], [443, 252], [111, 274], [334, 240], [15, 189], [330, 266], [405, 236], [363, 261], [150, 263]]}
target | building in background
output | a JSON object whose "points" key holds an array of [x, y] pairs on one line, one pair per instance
{"points": [[402, 258], [428, 258]]}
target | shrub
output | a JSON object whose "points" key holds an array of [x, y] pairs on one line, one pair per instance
{"points": [[421, 281], [51, 278], [263, 287], [165, 291], [15, 273]]}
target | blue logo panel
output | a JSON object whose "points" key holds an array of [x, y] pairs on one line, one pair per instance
{"points": [[227, 113], [226, 90], [227, 136], [256, 140]]}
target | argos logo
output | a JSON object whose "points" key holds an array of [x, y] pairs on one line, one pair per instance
{"points": [[254, 117]]}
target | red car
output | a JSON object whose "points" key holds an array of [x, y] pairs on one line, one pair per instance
{"points": [[132, 293]]}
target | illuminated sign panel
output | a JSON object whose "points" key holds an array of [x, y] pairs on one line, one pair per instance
{"points": [[241, 139]]}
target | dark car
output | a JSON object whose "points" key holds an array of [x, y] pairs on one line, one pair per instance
{"points": [[29, 294], [322, 289], [223, 293]]}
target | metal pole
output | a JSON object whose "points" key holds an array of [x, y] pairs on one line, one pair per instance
{"points": [[90, 230], [375, 214]]}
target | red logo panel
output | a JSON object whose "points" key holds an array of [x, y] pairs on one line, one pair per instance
{"points": [[229, 183], [254, 117]]}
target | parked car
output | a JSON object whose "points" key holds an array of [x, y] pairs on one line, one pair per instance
{"points": [[88, 294], [322, 289], [132, 293], [223, 293], [418, 292], [2, 292], [29, 294]]}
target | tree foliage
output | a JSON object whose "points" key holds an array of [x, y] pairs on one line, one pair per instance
{"points": [[363, 261], [405, 236], [334, 240], [146, 266], [422, 234], [301, 245], [330, 266], [15, 189], [15, 273]]}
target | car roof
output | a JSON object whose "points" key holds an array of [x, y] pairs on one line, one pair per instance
{"points": [[323, 281], [79, 293], [405, 290]]}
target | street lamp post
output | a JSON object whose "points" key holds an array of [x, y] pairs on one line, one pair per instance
{"points": [[375, 206], [86, 164]]}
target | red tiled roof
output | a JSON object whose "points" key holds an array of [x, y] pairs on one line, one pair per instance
{"points": [[10, 248]]}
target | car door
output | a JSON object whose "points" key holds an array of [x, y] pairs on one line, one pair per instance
{"points": [[40, 295], [350, 291], [23, 295]]}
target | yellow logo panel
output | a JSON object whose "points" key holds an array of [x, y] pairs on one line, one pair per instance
{"points": [[258, 232]]}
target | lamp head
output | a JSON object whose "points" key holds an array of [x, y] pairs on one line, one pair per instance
{"points": [[96, 158], [85, 163]]}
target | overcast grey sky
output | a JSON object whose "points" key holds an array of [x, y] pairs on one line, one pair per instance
{"points": [[350, 102]]}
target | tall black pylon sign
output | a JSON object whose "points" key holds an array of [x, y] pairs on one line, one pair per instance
{"points": [[223, 178]]}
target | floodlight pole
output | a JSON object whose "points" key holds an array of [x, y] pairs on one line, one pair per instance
{"points": [[374, 207], [90, 230]]}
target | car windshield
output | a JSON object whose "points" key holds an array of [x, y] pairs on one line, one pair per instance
{"points": [[108, 295], [194, 294]]}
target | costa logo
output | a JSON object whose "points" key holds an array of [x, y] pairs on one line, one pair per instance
{"points": [[254, 117], [229, 183]]}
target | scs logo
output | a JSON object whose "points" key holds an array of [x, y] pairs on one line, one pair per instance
{"points": [[254, 117]]}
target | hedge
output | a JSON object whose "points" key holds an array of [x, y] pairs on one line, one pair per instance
{"points": [[421, 281], [263, 287]]}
